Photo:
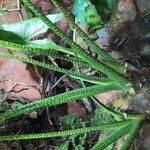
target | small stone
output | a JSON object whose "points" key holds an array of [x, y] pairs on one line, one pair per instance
{"points": [[143, 5], [33, 115]]}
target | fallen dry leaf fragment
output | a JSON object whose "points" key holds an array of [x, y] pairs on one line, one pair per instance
{"points": [[15, 77]]}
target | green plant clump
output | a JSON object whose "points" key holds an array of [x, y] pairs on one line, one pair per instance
{"points": [[116, 125]]}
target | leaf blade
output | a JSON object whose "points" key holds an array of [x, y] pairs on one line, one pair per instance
{"points": [[29, 28]]}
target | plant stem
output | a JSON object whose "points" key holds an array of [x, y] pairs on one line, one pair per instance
{"points": [[58, 99], [103, 127], [74, 74], [79, 51], [108, 60], [113, 137], [46, 52], [132, 135]]}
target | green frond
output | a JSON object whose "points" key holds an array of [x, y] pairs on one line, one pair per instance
{"points": [[59, 99], [103, 127], [74, 74], [17, 46], [113, 137], [79, 51], [108, 60], [108, 110], [132, 135], [46, 52]]}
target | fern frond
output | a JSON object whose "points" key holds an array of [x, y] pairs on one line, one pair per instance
{"points": [[113, 137], [108, 110], [46, 52], [132, 135], [107, 59], [17, 46], [77, 75], [59, 99], [78, 50], [103, 127]]}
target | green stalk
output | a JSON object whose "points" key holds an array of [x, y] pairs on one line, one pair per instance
{"points": [[81, 76], [132, 135], [113, 137], [17, 46], [46, 52], [103, 127], [108, 60], [79, 51], [58, 99], [116, 114]]}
